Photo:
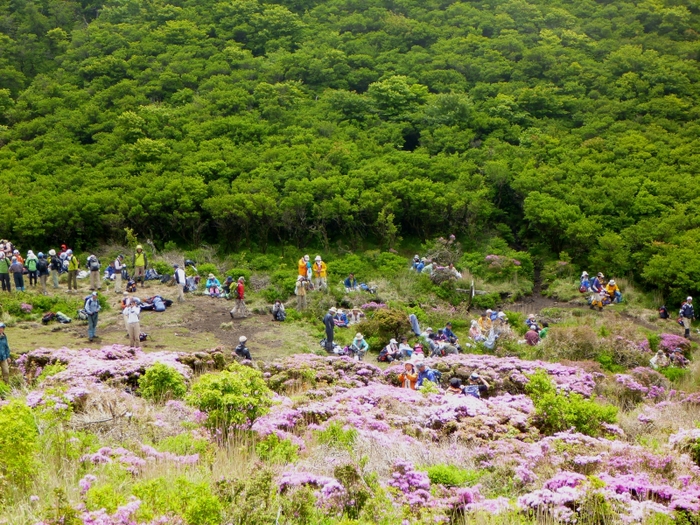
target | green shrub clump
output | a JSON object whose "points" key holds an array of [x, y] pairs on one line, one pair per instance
{"points": [[19, 441], [451, 475], [236, 396], [195, 502], [336, 436], [557, 412], [275, 450], [161, 382]]}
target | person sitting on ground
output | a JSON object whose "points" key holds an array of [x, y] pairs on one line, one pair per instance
{"points": [[405, 349], [475, 333], [585, 283], [415, 263], [453, 271], [613, 291], [350, 283], [213, 285], [677, 359], [545, 329], [241, 350], [359, 346], [597, 284], [355, 316], [451, 337], [428, 268], [226, 288], [421, 264], [663, 312], [659, 360], [455, 388], [409, 376], [531, 322], [476, 385], [425, 373], [532, 337], [278, 313], [600, 299], [341, 319], [390, 352], [428, 332], [501, 324], [485, 323]]}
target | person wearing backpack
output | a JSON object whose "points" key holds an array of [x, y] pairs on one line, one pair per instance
{"points": [[55, 266], [30, 265], [4, 355], [93, 265], [425, 373], [17, 271], [180, 281], [42, 268], [118, 268], [73, 265], [239, 296], [92, 307], [140, 263], [687, 315], [5, 272]]}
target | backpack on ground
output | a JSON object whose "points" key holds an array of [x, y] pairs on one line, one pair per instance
{"points": [[663, 312], [143, 336], [165, 279], [62, 318], [48, 317], [151, 275], [82, 315]]}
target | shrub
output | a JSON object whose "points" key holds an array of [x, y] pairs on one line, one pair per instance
{"points": [[239, 272], [335, 435], [184, 444], [674, 374], [104, 497], [557, 412], [19, 443], [50, 370], [236, 396], [485, 301], [349, 264], [390, 264], [163, 267], [194, 501], [161, 382], [207, 268], [276, 450], [451, 475], [385, 324]]}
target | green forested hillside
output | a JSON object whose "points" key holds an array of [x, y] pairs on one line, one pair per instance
{"points": [[562, 126]]}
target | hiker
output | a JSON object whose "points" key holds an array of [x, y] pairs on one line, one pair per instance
{"points": [[409, 376], [659, 360], [303, 265], [500, 326], [427, 334], [600, 299], [180, 281], [92, 307], [425, 373], [584, 283], [544, 330], [450, 336], [4, 355], [73, 265], [42, 270], [613, 291], [132, 314], [597, 284], [341, 319], [415, 263], [93, 265], [56, 267], [415, 327], [239, 296], [405, 349], [532, 337], [300, 289], [355, 315], [359, 346], [453, 271], [428, 268], [242, 350], [663, 312], [18, 256], [17, 271], [320, 270], [350, 283], [227, 286], [531, 322], [118, 269], [676, 358], [5, 272], [390, 352], [485, 323], [687, 315], [213, 285], [455, 388], [140, 262], [278, 313], [476, 385], [30, 265], [329, 323]]}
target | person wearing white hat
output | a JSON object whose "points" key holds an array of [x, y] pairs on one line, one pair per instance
{"points": [[4, 355], [92, 307], [304, 265], [300, 289], [240, 309], [476, 385], [242, 350], [56, 266], [585, 283], [93, 265], [613, 290], [180, 281], [359, 347], [5, 272], [320, 271], [390, 352], [278, 313], [687, 315], [213, 285], [118, 268], [329, 324], [341, 319], [132, 314]]}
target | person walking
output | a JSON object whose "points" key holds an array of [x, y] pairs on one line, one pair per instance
{"points": [[140, 263], [320, 271], [329, 323], [688, 314], [55, 265], [17, 271], [300, 290], [180, 280], [93, 265], [4, 355], [42, 268], [92, 307], [240, 309], [73, 265], [30, 265], [5, 272], [132, 313], [118, 269]]}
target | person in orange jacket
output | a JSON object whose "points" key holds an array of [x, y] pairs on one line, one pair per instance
{"points": [[320, 271], [303, 267], [409, 376]]}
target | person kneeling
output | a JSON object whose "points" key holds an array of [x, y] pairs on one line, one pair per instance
{"points": [[390, 352], [241, 350], [278, 313]]}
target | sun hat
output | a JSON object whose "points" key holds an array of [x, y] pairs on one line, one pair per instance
{"points": [[358, 335], [474, 375], [174, 265], [333, 310], [241, 278], [428, 329], [94, 293], [339, 311], [393, 342], [69, 252], [318, 258], [688, 298], [211, 276], [242, 339], [139, 247], [2, 325], [52, 252], [612, 281], [306, 257]]}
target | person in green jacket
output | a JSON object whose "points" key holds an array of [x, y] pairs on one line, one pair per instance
{"points": [[4, 355], [140, 263], [5, 272], [73, 265]]}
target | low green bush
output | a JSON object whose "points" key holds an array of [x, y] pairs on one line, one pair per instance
{"points": [[162, 382], [50, 370], [207, 268], [184, 444], [335, 435], [451, 475], [239, 272], [194, 501], [19, 439], [489, 300], [674, 374], [275, 450]]}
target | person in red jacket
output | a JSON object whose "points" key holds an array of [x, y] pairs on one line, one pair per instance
{"points": [[240, 309]]}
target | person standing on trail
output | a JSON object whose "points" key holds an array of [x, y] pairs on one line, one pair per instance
{"points": [[17, 271], [140, 263], [5, 272], [132, 314], [303, 266], [73, 265], [300, 290], [320, 271], [30, 265], [93, 265], [118, 268], [42, 269], [92, 307], [687, 314], [4, 355], [180, 280], [240, 309], [329, 323], [56, 266]]}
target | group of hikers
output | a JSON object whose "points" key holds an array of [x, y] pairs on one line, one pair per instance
{"points": [[602, 292], [416, 375], [427, 266]]}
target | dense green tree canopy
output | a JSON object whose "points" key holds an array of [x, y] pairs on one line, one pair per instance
{"points": [[560, 125]]}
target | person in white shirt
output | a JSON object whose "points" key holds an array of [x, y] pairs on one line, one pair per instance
{"points": [[133, 323], [118, 267], [180, 280]]}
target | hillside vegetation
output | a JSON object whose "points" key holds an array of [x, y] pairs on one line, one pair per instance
{"points": [[559, 126]]}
